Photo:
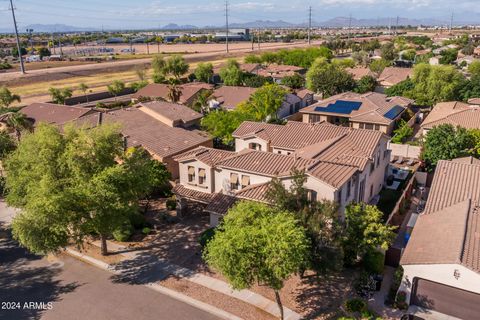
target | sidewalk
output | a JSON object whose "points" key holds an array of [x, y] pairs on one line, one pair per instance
{"points": [[377, 303], [163, 269]]}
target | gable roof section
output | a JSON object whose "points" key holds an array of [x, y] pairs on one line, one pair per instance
{"points": [[255, 192], [54, 113], [231, 96], [172, 111], [391, 75], [333, 174], [359, 73], [454, 113], [209, 156], [449, 229]]}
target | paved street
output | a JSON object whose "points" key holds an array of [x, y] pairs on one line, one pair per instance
{"points": [[76, 290]]}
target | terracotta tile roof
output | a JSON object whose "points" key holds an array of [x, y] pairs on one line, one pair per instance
{"points": [[448, 230], [373, 108], [333, 174], [474, 101], [172, 111], [359, 73], [264, 163], [467, 160], [54, 113], [199, 196], [251, 128], [209, 156], [160, 90], [255, 192], [230, 96], [303, 93], [220, 204], [391, 75], [153, 135], [454, 113]]}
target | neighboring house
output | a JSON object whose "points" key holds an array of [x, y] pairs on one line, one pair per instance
{"points": [[441, 262], [374, 111], [307, 97], [341, 165], [475, 101], [163, 129], [56, 114], [476, 51], [278, 72], [465, 61], [189, 92], [360, 72], [391, 76], [455, 113]]}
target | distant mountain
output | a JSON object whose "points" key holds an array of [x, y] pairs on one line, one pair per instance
{"points": [[263, 24], [174, 26], [56, 28], [339, 22]]}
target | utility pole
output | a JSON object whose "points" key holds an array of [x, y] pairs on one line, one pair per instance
{"points": [[22, 67], [349, 26], [309, 23], [396, 27], [226, 23], [451, 23]]}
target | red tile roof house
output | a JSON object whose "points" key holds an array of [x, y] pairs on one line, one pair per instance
{"points": [[190, 92], [455, 113], [342, 165], [278, 72], [374, 111], [229, 97], [441, 262], [391, 76], [55, 114], [360, 72]]}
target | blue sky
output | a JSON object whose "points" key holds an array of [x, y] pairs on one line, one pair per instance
{"points": [[154, 13]]}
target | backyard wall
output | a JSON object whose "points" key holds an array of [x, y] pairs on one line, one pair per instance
{"points": [[404, 150]]}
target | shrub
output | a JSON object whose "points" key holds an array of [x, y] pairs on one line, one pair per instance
{"points": [[400, 301], [123, 233], [206, 236], [171, 203], [374, 262], [397, 280], [355, 305], [146, 230], [137, 220]]}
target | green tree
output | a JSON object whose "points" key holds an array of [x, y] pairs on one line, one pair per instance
{"points": [[476, 138], [258, 244], [17, 123], [294, 81], [255, 81], [409, 54], [176, 66], [116, 88], [201, 102], [377, 66], [204, 72], [366, 84], [265, 102], [470, 88], [7, 144], [388, 52], [365, 231], [174, 91], [401, 89], [158, 66], [448, 56], [361, 58], [402, 133], [60, 95], [221, 124], [474, 68], [139, 85], [73, 184], [84, 88], [231, 74], [44, 52], [445, 142], [15, 51], [328, 79], [252, 58], [7, 97]]}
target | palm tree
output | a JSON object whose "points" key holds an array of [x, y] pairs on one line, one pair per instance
{"points": [[83, 87], [17, 122], [201, 102], [174, 91]]}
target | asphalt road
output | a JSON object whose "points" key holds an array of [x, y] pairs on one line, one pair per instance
{"points": [[68, 289]]}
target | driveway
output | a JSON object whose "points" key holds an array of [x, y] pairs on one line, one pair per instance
{"points": [[65, 288]]}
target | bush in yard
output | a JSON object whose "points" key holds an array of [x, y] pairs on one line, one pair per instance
{"points": [[206, 236], [171, 203], [137, 220], [397, 279], [355, 305], [400, 301], [374, 262], [123, 233], [146, 230]]}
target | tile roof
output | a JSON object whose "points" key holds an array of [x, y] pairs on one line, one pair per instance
{"points": [[220, 204], [172, 111], [160, 90], [391, 75], [54, 113], [448, 232], [373, 108], [333, 174], [142, 129], [454, 113], [254, 192], [474, 101], [359, 73], [230, 96], [304, 92], [209, 156], [191, 194]]}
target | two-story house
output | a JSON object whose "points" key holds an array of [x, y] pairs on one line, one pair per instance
{"points": [[340, 164]]}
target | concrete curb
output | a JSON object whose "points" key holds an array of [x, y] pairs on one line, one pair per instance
{"points": [[154, 286]]}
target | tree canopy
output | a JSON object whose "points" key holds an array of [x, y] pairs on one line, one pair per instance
{"points": [[265, 102], [204, 72], [7, 97], [328, 79], [174, 66], [231, 74], [60, 95], [295, 81], [366, 84]]}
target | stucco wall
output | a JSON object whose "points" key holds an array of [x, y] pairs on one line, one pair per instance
{"points": [[209, 179], [222, 179], [241, 144]]}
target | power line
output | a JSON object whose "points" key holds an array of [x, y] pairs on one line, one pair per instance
{"points": [[226, 23], [309, 23], [22, 67]]}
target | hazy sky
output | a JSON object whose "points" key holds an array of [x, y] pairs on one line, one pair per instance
{"points": [[154, 13]]}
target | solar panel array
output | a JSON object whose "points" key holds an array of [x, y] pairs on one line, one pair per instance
{"points": [[394, 112], [340, 106]]}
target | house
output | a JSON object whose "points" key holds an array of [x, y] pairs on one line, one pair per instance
{"points": [[455, 113], [434, 61], [374, 111], [391, 76], [307, 96], [55, 114], [465, 61], [441, 262], [155, 91], [163, 129], [278, 72], [341, 164], [360, 72], [475, 101]]}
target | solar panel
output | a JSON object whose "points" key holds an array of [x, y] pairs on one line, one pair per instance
{"points": [[340, 106], [394, 112]]}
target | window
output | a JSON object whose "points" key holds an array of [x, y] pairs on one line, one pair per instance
{"points": [[377, 127], [202, 173], [191, 174], [361, 125], [312, 195], [245, 181], [255, 146], [234, 181], [314, 118], [369, 126]]}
